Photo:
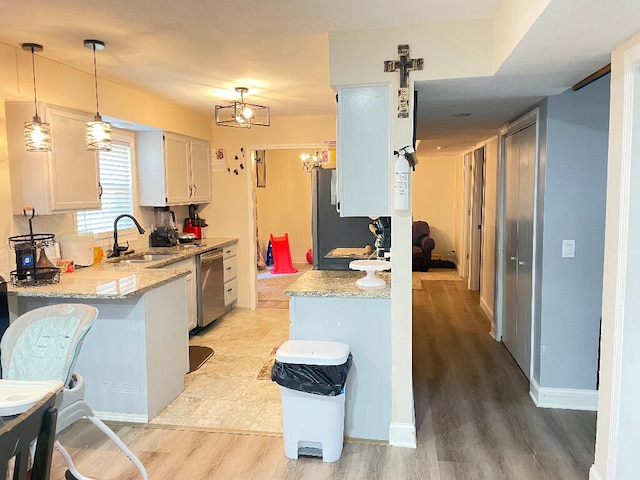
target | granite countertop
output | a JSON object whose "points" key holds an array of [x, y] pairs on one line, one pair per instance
{"points": [[114, 279], [328, 283]]}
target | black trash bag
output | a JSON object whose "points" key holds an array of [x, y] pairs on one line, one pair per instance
{"points": [[327, 380]]}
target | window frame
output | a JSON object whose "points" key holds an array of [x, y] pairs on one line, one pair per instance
{"points": [[128, 137]]}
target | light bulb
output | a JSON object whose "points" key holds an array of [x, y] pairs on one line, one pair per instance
{"points": [[247, 112]]}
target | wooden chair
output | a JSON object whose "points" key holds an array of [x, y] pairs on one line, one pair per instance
{"points": [[17, 434]]}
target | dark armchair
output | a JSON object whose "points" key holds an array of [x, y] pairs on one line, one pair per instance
{"points": [[422, 245]]}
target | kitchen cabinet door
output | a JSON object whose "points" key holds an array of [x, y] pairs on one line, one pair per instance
{"points": [[67, 178], [75, 174], [200, 171], [177, 168], [173, 169], [363, 150]]}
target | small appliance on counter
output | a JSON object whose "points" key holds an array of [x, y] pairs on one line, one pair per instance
{"points": [[77, 247], [165, 233], [194, 224], [32, 264], [381, 228]]}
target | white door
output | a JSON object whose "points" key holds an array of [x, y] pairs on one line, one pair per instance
{"points": [[520, 162]]}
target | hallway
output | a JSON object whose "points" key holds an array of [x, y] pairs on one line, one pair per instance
{"points": [[474, 419], [472, 401]]}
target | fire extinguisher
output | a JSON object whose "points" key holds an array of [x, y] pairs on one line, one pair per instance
{"points": [[404, 163]]}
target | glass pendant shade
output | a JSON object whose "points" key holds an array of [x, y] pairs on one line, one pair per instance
{"points": [[98, 135], [37, 135]]}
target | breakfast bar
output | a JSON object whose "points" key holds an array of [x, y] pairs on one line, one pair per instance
{"points": [[328, 305]]}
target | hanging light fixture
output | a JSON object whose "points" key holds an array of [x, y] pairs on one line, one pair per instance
{"points": [[311, 161], [241, 114], [37, 135], [98, 131]]}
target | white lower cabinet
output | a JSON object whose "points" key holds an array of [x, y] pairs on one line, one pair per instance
{"points": [[230, 262], [192, 292]]}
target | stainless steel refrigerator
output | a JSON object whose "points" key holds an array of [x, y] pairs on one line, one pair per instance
{"points": [[329, 229]]}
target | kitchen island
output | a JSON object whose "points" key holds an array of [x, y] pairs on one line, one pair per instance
{"points": [[136, 354], [327, 305]]}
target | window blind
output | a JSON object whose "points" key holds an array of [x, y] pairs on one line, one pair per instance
{"points": [[117, 192]]}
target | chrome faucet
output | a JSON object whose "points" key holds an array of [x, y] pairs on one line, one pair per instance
{"points": [[117, 248]]}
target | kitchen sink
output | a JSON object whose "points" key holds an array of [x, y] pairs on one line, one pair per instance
{"points": [[149, 257]]}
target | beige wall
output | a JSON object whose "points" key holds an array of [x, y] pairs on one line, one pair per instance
{"points": [[231, 213], [284, 205], [433, 200]]}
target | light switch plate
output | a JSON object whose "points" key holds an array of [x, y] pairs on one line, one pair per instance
{"points": [[568, 248]]}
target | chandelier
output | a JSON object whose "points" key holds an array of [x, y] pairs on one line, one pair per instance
{"points": [[242, 114], [311, 161]]}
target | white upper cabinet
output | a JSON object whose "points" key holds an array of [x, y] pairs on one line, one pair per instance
{"points": [[200, 171], [363, 150], [67, 178], [172, 169]]}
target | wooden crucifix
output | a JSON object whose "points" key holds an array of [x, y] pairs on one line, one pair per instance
{"points": [[403, 66]]}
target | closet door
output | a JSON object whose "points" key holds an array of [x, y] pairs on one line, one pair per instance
{"points": [[520, 162]]}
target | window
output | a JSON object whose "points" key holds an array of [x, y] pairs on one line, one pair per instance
{"points": [[117, 193]]}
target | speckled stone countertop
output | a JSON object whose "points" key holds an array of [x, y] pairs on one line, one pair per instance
{"points": [[113, 279], [327, 283]]}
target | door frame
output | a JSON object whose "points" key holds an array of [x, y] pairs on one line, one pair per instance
{"points": [[476, 222]]}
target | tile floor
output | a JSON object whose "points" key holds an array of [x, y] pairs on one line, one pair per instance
{"points": [[225, 392]]}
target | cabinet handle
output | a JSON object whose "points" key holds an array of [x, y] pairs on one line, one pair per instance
{"points": [[195, 189], [228, 268], [229, 290], [190, 191], [99, 190]]}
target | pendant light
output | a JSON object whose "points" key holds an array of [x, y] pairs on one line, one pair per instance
{"points": [[242, 114], [98, 131], [37, 135]]}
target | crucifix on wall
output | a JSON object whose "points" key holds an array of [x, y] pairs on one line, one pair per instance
{"points": [[403, 66]]}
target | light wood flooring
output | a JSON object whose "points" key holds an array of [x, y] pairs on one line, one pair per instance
{"points": [[474, 420]]}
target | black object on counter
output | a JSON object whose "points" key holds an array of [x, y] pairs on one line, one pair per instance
{"points": [[327, 380], [4, 310]]}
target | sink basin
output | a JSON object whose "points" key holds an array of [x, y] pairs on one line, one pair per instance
{"points": [[150, 257]]}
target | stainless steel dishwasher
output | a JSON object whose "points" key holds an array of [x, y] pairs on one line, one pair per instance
{"points": [[210, 282]]}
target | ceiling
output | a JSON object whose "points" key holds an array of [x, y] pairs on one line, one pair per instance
{"points": [[194, 52]]}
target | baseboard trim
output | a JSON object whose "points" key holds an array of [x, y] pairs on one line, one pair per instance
{"points": [[565, 398], [594, 474], [122, 417], [402, 435], [488, 311]]}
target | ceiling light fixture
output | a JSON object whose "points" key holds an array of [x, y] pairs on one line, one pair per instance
{"points": [[311, 161], [98, 131], [37, 135], [241, 114]]}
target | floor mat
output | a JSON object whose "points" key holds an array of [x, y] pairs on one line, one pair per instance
{"points": [[198, 356]]}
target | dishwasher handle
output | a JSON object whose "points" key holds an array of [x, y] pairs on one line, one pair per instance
{"points": [[210, 257]]}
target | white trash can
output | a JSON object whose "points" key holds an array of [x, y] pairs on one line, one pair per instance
{"points": [[313, 422]]}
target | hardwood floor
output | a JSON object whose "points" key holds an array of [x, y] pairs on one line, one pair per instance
{"points": [[474, 417]]}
